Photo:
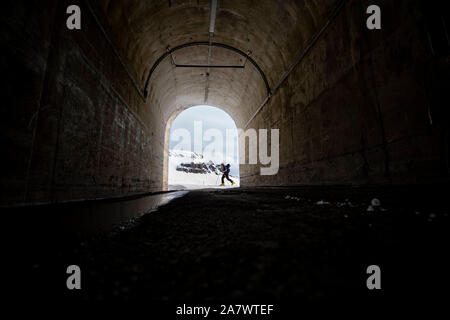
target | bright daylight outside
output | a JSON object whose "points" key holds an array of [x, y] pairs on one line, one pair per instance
{"points": [[203, 150]]}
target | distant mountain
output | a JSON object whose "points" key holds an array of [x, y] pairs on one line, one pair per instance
{"points": [[185, 154], [202, 168], [191, 162], [189, 170]]}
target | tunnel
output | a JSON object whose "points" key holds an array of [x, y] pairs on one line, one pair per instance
{"points": [[362, 119]]}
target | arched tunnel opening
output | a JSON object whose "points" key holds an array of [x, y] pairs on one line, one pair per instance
{"points": [[203, 144], [341, 111]]}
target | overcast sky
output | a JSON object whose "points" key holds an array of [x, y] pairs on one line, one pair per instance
{"points": [[212, 118]]}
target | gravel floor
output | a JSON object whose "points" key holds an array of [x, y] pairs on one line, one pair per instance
{"points": [[261, 244]]}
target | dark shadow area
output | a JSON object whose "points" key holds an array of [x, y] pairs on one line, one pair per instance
{"points": [[252, 244], [86, 115]]}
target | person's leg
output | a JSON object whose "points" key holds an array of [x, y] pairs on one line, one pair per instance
{"points": [[223, 179], [228, 178]]}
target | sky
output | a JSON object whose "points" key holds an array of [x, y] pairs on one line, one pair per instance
{"points": [[211, 118]]}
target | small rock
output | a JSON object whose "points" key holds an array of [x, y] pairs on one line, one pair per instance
{"points": [[321, 202], [370, 209], [375, 202]]}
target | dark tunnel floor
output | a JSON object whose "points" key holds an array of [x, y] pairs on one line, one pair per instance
{"points": [[269, 244]]}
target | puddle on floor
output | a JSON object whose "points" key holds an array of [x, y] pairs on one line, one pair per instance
{"points": [[95, 218]]}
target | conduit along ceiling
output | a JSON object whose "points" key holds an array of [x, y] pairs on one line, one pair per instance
{"points": [[226, 53]]}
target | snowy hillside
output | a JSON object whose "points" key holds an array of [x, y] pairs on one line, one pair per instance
{"points": [[190, 170]]}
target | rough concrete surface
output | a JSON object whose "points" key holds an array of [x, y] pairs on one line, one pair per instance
{"points": [[85, 119], [82, 122], [266, 244]]}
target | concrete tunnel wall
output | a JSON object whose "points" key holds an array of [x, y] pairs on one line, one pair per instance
{"points": [[357, 109]]}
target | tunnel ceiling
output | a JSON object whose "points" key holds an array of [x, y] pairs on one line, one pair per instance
{"points": [[274, 32]]}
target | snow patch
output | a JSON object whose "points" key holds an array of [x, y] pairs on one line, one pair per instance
{"points": [[190, 170]]}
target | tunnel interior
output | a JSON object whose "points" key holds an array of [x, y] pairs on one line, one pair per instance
{"points": [[354, 106], [87, 113]]}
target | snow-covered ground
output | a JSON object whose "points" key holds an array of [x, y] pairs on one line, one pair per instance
{"points": [[189, 170]]}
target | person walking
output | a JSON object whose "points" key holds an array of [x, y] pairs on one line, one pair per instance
{"points": [[226, 172]]}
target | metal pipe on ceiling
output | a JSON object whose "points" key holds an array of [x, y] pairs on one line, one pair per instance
{"points": [[300, 58], [212, 19], [205, 43], [212, 26]]}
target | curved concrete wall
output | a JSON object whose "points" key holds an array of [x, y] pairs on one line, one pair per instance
{"points": [[358, 108]]}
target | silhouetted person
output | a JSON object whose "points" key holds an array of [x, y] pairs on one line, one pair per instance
{"points": [[226, 172]]}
